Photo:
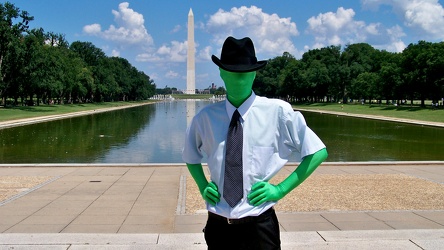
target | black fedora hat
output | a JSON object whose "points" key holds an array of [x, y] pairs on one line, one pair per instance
{"points": [[238, 55]]}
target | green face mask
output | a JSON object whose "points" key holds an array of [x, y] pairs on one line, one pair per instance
{"points": [[238, 84]]}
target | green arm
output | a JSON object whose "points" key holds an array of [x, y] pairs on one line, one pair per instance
{"points": [[303, 171], [263, 191], [208, 190]]}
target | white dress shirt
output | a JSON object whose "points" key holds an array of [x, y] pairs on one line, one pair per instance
{"points": [[272, 131]]}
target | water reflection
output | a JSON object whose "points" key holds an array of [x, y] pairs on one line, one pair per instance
{"points": [[191, 111], [356, 139], [80, 139], [155, 134], [159, 141]]}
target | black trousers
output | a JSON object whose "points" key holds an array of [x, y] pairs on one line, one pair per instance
{"points": [[261, 233]]}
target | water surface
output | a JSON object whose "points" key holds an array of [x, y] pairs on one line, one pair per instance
{"points": [[155, 134]]}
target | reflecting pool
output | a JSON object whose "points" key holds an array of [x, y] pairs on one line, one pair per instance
{"points": [[155, 134]]}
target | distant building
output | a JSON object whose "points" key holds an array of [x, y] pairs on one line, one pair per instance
{"points": [[191, 70]]}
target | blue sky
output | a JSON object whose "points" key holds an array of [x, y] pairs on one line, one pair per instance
{"points": [[152, 34]]}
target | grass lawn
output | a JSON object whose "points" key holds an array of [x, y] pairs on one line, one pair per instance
{"points": [[406, 111], [20, 112]]}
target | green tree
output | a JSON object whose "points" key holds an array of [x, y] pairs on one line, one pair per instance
{"points": [[56, 40], [106, 84], [142, 87], [86, 80], [416, 71], [365, 86], [435, 66], [390, 85], [220, 91], [322, 70], [269, 80], [318, 79], [34, 72], [356, 59], [11, 33], [89, 53], [294, 86], [122, 73], [77, 80]]}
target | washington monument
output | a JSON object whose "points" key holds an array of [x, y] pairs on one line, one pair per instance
{"points": [[191, 70]]}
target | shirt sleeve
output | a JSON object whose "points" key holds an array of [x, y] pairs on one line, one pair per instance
{"points": [[192, 153], [300, 137]]}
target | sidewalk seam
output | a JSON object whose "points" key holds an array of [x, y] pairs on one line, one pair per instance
{"points": [[427, 218], [14, 197], [181, 201]]}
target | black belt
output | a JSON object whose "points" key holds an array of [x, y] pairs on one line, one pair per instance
{"points": [[242, 220]]}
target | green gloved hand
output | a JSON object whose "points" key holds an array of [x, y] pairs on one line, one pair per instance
{"points": [[208, 190], [263, 191], [211, 193]]}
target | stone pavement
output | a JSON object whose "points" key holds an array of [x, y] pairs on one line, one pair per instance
{"points": [[323, 240], [142, 206]]}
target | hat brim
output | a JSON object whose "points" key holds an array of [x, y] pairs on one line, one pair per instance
{"points": [[238, 67]]}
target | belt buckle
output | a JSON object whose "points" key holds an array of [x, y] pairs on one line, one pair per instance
{"points": [[229, 221]]}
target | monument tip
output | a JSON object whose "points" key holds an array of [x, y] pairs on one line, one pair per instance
{"points": [[191, 12]]}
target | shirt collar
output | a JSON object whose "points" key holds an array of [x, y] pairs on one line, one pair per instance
{"points": [[243, 109]]}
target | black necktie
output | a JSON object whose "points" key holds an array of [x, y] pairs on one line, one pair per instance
{"points": [[233, 182]]}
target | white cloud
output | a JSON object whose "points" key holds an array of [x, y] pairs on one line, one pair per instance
{"points": [[176, 29], [92, 28], [172, 75], [174, 52], [130, 28], [373, 29], [425, 17], [333, 28], [396, 44], [154, 76], [340, 28], [205, 53], [148, 57], [270, 33], [115, 53]]}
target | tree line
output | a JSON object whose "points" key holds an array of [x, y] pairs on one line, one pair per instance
{"points": [[42, 66], [357, 72]]}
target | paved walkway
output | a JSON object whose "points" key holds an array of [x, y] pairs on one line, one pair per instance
{"points": [[115, 206]]}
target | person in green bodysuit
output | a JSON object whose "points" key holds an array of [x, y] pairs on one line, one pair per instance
{"points": [[272, 132]]}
